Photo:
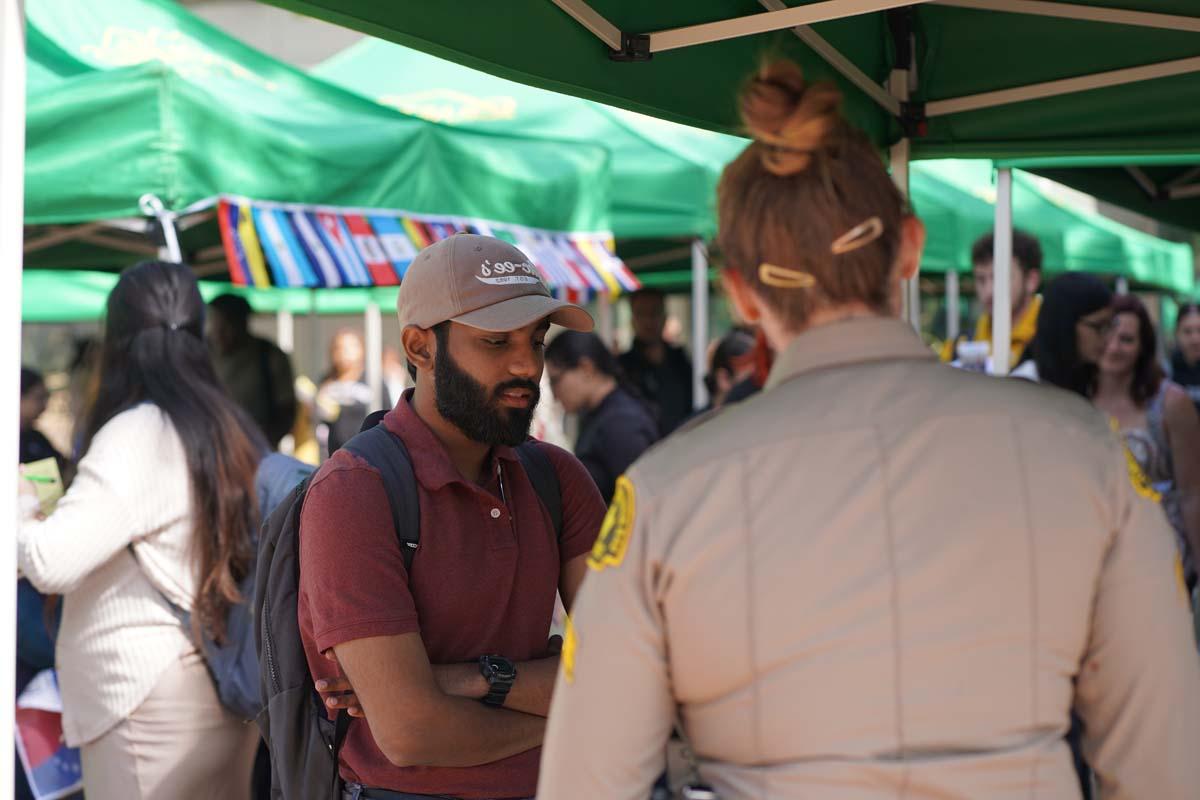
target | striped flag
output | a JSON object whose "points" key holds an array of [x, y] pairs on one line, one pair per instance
{"points": [[337, 236], [371, 251], [251, 247], [314, 247], [395, 242], [284, 267], [227, 220], [420, 237]]}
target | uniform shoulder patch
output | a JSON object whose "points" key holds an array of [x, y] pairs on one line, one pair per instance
{"points": [[1137, 477], [570, 645], [613, 541]]}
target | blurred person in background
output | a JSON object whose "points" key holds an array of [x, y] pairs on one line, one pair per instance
{"points": [[730, 362], [1185, 362], [615, 425], [343, 399], [787, 583], [160, 514], [1157, 419], [256, 372], [395, 376], [1026, 277], [34, 446], [661, 371], [1074, 324]]}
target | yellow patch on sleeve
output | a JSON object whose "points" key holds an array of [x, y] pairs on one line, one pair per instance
{"points": [[613, 541], [1183, 590], [570, 643], [1141, 484]]}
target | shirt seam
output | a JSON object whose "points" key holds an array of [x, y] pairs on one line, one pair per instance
{"points": [[325, 632], [1034, 699], [897, 665], [751, 617]]}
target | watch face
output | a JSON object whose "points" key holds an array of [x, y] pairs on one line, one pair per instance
{"points": [[502, 669]]}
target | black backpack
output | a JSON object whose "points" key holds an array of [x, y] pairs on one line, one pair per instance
{"points": [[303, 742]]}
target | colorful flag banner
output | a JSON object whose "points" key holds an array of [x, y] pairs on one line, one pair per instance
{"points": [[290, 245]]}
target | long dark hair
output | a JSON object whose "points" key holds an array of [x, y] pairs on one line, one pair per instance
{"points": [[1147, 374], [154, 352], [1067, 299], [570, 348]]}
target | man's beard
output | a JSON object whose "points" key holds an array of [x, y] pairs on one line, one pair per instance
{"points": [[464, 401]]}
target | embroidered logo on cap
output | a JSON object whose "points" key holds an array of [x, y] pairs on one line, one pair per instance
{"points": [[501, 273]]}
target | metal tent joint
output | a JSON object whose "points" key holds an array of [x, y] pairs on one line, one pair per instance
{"points": [[634, 47]]}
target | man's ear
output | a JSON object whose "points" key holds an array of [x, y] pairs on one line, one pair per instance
{"points": [[420, 346], [912, 245], [744, 301]]}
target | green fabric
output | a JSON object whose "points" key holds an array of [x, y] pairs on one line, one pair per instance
{"points": [[133, 96], [956, 200], [959, 52], [80, 296], [664, 174]]}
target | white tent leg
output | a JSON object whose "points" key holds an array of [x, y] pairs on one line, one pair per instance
{"points": [[952, 306], [1122, 285], [604, 323], [373, 320], [285, 331], [1002, 275], [699, 323], [12, 214]]}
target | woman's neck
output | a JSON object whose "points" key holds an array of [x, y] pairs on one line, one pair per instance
{"points": [[779, 337], [1113, 386]]}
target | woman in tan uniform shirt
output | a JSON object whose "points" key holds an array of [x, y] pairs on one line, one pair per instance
{"points": [[881, 577]]}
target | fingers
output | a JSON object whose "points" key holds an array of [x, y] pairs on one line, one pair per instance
{"points": [[336, 685]]}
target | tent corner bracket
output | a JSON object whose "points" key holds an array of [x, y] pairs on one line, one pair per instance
{"points": [[634, 47]]}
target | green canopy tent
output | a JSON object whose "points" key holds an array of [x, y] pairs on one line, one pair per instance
{"points": [[930, 78]]}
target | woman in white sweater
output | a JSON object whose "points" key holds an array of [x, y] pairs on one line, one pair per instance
{"points": [[162, 508]]}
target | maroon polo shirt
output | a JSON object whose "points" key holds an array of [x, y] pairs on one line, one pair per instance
{"points": [[483, 581]]}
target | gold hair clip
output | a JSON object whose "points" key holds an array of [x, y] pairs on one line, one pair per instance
{"points": [[784, 278], [858, 236]]}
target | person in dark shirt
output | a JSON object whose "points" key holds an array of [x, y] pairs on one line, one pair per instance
{"points": [[255, 372], [660, 371], [615, 426], [34, 399], [1185, 363]]}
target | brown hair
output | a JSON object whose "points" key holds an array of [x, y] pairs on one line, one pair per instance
{"points": [[1147, 374], [788, 202]]}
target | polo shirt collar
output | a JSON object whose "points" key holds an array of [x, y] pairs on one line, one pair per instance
{"points": [[854, 341], [431, 462]]}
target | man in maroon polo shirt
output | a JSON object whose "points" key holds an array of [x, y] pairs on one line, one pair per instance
{"points": [[424, 650]]}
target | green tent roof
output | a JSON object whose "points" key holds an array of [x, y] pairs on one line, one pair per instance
{"points": [[664, 174], [134, 96], [960, 56]]}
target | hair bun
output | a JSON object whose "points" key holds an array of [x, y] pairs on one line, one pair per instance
{"points": [[791, 118]]}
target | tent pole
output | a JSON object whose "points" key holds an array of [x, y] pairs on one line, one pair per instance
{"points": [[12, 214], [604, 325], [952, 306], [1002, 275], [285, 330], [152, 206], [699, 323], [911, 297], [374, 329]]}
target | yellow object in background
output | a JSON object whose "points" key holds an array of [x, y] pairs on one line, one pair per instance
{"points": [[47, 482]]}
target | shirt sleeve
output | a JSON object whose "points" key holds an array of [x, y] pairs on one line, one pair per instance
{"points": [[583, 508], [612, 711], [94, 520], [352, 576], [1138, 690]]}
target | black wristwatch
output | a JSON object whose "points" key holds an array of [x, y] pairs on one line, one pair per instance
{"points": [[500, 673]]}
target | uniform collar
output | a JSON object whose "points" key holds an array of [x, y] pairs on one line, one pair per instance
{"points": [[854, 341], [431, 462]]}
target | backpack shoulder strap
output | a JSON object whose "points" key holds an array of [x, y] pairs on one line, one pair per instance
{"points": [[385, 451], [544, 478]]}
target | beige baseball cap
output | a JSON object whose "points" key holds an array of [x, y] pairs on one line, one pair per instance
{"points": [[482, 282]]}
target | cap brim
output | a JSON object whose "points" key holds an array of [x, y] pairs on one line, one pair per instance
{"points": [[518, 312]]}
